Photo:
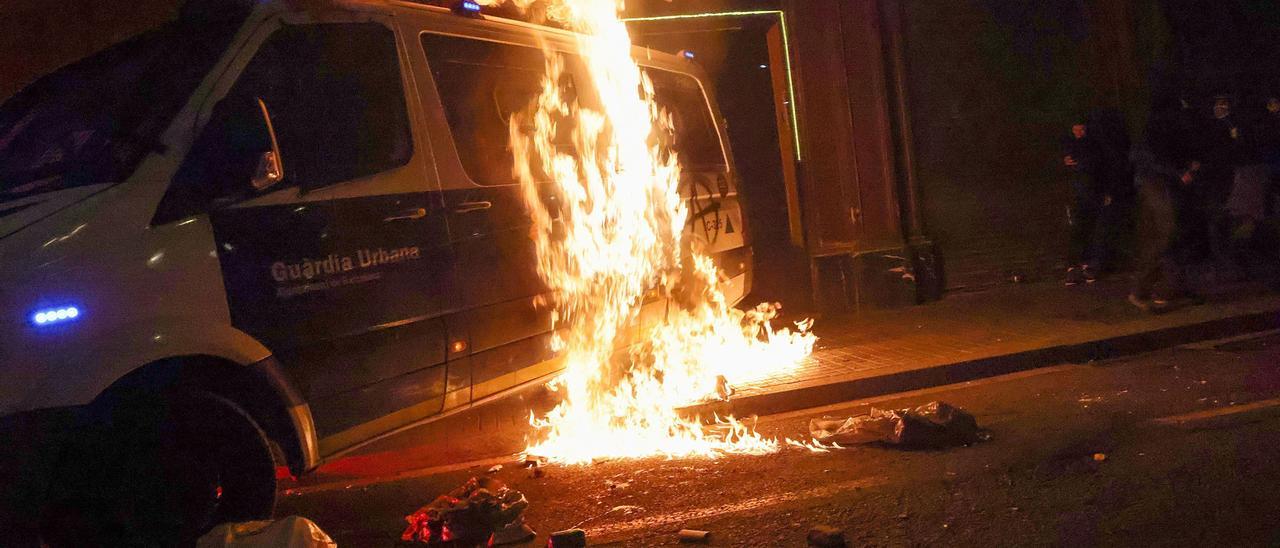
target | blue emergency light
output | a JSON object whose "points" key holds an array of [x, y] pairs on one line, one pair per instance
{"points": [[55, 315], [468, 8], [686, 54]]}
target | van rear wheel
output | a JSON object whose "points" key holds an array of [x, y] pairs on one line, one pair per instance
{"points": [[162, 470]]}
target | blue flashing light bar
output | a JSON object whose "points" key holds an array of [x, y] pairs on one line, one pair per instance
{"points": [[55, 316]]}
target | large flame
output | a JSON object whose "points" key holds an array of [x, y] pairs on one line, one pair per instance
{"points": [[612, 239]]}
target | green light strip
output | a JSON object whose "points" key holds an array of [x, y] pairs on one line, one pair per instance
{"points": [[786, 53]]}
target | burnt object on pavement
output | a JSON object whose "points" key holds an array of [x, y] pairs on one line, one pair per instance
{"points": [[569, 538], [694, 535], [482, 511], [823, 536], [930, 426]]}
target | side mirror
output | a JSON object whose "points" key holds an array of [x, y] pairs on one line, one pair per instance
{"points": [[270, 170]]}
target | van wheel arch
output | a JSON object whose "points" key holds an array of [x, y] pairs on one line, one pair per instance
{"points": [[238, 384], [159, 467]]}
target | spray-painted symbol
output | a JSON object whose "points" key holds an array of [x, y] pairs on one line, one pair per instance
{"points": [[704, 206]]}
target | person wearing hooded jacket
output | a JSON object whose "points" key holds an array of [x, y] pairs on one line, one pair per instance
{"points": [[1165, 173]]}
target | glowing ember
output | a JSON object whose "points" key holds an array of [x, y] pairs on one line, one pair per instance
{"points": [[613, 240]]}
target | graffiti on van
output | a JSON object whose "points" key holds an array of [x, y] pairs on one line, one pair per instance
{"points": [[705, 206]]}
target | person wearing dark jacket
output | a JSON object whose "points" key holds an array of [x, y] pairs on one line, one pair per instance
{"points": [[1247, 201], [1084, 161], [1269, 129], [1269, 135], [1164, 173], [1223, 151]]}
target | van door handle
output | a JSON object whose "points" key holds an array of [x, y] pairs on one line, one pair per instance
{"points": [[467, 207], [407, 215]]}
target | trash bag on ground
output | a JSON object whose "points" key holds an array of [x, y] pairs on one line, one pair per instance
{"points": [[933, 425], [290, 532], [482, 511]]}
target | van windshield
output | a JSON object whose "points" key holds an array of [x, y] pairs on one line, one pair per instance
{"points": [[94, 120]]}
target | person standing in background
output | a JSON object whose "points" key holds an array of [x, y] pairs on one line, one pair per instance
{"points": [[1084, 162], [1269, 139], [1246, 202], [1222, 151], [1165, 173]]}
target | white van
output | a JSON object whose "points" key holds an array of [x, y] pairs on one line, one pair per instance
{"points": [[270, 233]]}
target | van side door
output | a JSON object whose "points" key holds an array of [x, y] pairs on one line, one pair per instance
{"points": [[343, 267], [474, 86]]}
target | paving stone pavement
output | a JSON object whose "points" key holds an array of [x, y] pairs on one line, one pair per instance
{"points": [[998, 321]]}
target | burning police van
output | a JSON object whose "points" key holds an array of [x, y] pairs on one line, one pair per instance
{"points": [[268, 234]]}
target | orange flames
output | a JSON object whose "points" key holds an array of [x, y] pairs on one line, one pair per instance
{"points": [[613, 239]]}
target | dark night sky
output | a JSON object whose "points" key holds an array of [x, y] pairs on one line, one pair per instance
{"points": [[1225, 45]]}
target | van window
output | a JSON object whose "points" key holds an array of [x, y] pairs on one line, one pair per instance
{"points": [[337, 105], [93, 121], [695, 139], [481, 84]]}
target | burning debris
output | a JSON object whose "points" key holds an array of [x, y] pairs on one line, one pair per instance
{"points": [[933, 425], [481, 511]]}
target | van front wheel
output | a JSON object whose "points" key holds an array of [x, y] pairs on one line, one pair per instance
{"points": [[164, 469]]}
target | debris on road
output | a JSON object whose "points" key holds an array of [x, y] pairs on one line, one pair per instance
{"points": [[495, 469], [932, 425], [625, 509], [823, 536], [535, 466], [481, 511], [694, 535], [813, 446], [569, 538], [289, 532]]}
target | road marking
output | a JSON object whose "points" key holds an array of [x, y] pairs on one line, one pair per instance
{"points": [[1215, 343], [1201, 419], [662, 521], [408, 474]]}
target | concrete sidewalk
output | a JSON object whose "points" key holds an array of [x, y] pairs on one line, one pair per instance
{"points": [[972, 335]]}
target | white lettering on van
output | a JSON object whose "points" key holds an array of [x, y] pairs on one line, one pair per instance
{"points": [[380, 256], [308, 269]]}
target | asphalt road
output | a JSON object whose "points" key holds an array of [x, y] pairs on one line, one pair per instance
{"points": [[1177, 447]]}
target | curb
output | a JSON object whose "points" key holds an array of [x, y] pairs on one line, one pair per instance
{"points": [[783, 401]]}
